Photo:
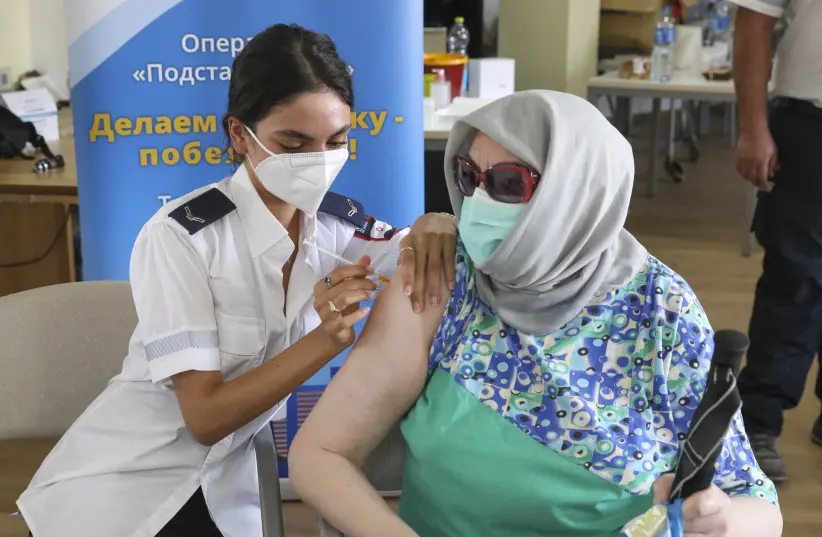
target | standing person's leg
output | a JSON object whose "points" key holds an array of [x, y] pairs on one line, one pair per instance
{"points": [[816, 433], [786, 324]]}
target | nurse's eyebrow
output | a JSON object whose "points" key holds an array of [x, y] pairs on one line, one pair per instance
{"points": [[297, 135], [341, 130]]}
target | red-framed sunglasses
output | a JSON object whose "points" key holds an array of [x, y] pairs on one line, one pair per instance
{"points": [[506, 183]]}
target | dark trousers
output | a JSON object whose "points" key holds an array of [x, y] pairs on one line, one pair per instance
{"points": [[786, 324], [193, 520]]}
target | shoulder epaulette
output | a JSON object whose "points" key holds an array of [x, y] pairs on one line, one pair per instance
{"points": [[344, 208], [203, 210]]}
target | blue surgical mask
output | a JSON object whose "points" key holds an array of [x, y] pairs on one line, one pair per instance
{"points": [[484, 224]]}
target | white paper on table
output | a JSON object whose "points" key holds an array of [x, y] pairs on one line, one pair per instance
{"points": [[688, 49], [38, 107]]}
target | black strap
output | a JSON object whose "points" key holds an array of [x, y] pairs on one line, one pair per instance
{"points": [[713, 417]]}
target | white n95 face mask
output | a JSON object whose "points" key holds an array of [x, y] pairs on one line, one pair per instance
{"points": [[301, 179]]}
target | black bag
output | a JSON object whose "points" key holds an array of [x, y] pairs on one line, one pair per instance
{"points": [[15, 133]]}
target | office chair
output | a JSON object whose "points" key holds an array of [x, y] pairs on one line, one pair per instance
{"points": [[384, 469], [61, 345]]}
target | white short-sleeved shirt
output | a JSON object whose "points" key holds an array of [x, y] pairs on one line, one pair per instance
{"points": [[206, 274], [799, 56]]}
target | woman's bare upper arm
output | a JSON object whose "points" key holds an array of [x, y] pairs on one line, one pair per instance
{"points": [[381, 378]]}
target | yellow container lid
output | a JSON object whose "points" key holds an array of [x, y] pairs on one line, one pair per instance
{"points": [[444, 59]]}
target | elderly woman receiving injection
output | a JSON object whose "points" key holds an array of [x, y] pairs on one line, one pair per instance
{"points": [[550, 396]]}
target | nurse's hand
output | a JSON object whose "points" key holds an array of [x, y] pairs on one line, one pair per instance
{"points": [[708, 512], [337, 301], [427, 252]]}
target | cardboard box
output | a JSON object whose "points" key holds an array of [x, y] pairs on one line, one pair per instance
{"points": [[634, 6], [490, 78], [435, 40], [628, 30]]}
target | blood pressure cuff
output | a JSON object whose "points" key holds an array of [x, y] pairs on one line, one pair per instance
{"points": [[662, 520]]}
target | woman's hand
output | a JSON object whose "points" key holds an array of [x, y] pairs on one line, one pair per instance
{"points": [[337, 300], [427, 250], [707, 513]]}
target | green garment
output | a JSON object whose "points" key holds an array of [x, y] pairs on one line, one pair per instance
{"points": [[471, 474]]}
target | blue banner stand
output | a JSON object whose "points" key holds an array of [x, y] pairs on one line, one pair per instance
{"points": [[149, 81]]}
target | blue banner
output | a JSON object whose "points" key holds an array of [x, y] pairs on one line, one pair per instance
{"points": [[150, 84]]}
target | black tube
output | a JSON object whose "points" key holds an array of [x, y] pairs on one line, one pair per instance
{"points": [[712, 418]]}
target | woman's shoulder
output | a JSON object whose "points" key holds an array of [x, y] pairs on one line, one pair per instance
{"points": [[195, 210], [657, 289], [183, 220]]}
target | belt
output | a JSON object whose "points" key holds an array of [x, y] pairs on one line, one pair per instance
{"points": [[798, 105]]}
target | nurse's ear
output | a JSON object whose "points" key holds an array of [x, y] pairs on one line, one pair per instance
{"points": [[238, 137]]}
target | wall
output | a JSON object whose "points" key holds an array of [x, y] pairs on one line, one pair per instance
{"points": [[15, 40], [555, 42], [583, 45], [49, 49], [32, 36]]}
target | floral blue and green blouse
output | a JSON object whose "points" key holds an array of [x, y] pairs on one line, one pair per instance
{"points": [[562, 435]]}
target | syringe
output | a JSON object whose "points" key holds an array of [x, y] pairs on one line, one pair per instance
{"points": [[341, 259]]}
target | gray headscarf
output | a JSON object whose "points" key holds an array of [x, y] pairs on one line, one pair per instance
{"points": [[569, 243]]}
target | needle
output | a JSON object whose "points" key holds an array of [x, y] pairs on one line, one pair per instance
{"points": [[341, 259]]}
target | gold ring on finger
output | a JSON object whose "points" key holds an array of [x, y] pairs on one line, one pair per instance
{"points": [[407, 249], [334, 308]]}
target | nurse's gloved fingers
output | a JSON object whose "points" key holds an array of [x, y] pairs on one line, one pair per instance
{"points": [[449, 254]]}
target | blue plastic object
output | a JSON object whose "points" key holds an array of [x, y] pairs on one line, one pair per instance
{"points": [[676, 525]]}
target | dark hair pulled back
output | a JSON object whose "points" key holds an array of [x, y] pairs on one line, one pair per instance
{"points": [[279, 64]]}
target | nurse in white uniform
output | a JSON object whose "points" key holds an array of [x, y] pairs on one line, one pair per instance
{"points": [[234, 312]]}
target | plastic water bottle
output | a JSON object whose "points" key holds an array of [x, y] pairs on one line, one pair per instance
{"points": [[662, 58], [718, 23], [458, 39], [724, 20]]}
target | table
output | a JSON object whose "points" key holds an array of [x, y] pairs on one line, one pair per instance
{"points": [[685, 87], [437, 124], [31, 207]]}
